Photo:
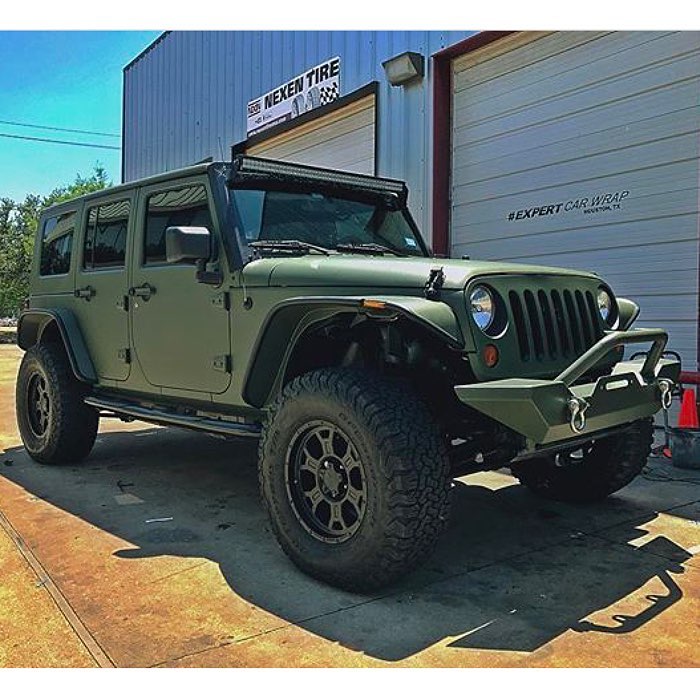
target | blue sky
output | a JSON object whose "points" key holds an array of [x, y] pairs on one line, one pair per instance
{"points": [[64, 79]]}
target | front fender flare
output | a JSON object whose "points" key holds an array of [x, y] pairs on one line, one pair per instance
{"points": [[35, 322], [287, 321], [629, 312]]}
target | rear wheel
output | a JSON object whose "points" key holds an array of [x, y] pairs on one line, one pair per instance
{"points": [[355, 477], [592, 472], [55, 424]]}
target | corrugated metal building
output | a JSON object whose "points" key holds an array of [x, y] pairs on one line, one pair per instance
{"points": [[579, 149]]}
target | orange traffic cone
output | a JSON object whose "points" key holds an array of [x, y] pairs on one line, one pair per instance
{"points": [[688, 417]]}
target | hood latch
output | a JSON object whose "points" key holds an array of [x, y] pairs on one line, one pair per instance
{"points": [[436, 279]]}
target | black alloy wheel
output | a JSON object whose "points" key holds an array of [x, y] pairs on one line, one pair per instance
{"points": [[326, 481], [38, 404], [56, 425]]}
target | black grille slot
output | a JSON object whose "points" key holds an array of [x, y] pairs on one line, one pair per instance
{"points": [[535, 328], [554, 324], [562, 326], [519, 319], [584, 319], [573, 321], [549, 331], [596, 320]]}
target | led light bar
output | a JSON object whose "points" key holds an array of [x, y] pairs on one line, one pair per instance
{"points": [[247, 168]]}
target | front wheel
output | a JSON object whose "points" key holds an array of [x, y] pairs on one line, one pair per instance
{"points": [[355, 477], [592, 472]]}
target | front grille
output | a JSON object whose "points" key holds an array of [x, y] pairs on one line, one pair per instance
{"points": [[554, 324]]}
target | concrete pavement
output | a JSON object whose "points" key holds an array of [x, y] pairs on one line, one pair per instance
{"points": [[159, 544], [33, 630]]}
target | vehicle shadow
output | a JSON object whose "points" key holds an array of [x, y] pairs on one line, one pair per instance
{"points": [[511, 573]]}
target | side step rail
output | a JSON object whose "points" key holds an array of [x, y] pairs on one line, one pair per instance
{"points": [[162, 417]]}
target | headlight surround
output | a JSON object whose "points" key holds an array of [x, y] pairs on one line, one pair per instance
{"points": [[606, 306], [482, 306]]}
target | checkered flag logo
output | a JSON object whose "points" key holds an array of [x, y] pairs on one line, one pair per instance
{"points": [[329, 93]]}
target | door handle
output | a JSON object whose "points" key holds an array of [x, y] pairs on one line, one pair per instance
{"points": [[85, 293], [145, 291]]}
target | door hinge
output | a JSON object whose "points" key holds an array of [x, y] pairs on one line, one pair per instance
{"points": [[124, 354], [222, 363], [222, 301], [123, 303]]}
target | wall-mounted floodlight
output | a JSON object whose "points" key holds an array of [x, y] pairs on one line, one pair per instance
{"points": [[404, 67]]}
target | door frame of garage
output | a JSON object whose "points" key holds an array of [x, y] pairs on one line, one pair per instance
{"points": [[442, 154], [442, 131], [372, 89]]}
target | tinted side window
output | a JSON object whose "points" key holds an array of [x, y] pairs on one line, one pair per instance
{"points": [[105, 237], [56, 244], [185, 206]]}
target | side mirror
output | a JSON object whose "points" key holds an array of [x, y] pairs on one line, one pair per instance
{"points": [[187, 244]]}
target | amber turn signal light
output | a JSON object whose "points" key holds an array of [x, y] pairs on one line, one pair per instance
{"points": [[373, 304], [490, 354]]}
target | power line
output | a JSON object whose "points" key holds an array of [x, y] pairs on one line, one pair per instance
{"points": [[65, 143], [60, 128]]}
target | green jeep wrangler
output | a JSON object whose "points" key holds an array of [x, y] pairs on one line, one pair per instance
{"points": [[301, 307]]}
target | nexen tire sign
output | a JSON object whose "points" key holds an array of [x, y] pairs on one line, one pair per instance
{"points": [[313, 88]]}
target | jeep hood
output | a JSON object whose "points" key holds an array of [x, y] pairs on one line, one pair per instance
{"points": [[385, 271]]}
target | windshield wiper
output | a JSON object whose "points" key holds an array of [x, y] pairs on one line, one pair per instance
{"points": [[292, 246], [370, 248]]}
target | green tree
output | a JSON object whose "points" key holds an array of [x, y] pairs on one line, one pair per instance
{"points": [[18, 224]]}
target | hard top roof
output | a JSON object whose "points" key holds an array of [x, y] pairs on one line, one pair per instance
{"points": [[198, 169], [246, 168]]}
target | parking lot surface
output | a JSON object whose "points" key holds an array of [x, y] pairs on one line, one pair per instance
{"points": [[156, 551]]}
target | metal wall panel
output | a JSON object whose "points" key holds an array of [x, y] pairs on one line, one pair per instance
{"points": [[569, 115], [186, 97], [344, 140]]}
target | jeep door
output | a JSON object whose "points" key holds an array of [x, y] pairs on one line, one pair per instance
{"points": [[101, 283], [180, 326]]}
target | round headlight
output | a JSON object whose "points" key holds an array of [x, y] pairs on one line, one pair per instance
{"points": [[605, 305], [482, 307]]}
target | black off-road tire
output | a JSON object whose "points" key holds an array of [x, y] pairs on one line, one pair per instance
{"points": [[606, 466], [406, 471], [70, 424]]}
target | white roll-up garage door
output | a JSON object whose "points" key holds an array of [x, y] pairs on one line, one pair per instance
{"points": [[343, 139], [581, 150]]}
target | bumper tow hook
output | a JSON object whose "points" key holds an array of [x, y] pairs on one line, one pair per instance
{"points": [[577, 413], [666, 389]]}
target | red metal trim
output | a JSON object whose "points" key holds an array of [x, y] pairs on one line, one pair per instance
{"points": [[442, 133], [471, 43], [442, 144], [697, 319], [690, 378]]}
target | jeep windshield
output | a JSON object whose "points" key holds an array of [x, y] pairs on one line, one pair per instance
{"points": [[307, 221]]}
